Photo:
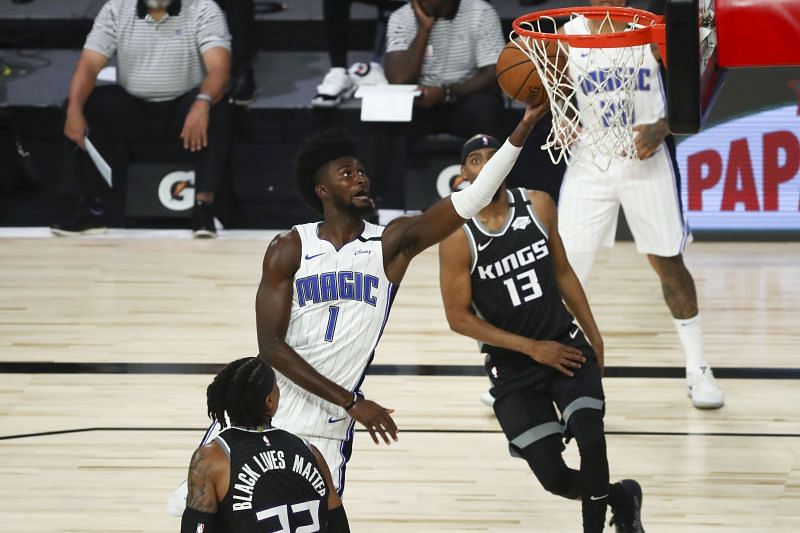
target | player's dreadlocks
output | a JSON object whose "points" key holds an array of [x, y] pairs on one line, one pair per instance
{"points": [[239, 390]]}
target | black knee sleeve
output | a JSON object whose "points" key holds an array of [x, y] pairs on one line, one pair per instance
{"points": [[587, 427], [545, 460]]}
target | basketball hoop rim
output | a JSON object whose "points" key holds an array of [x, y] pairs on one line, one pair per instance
{"points": [[653, 32]]}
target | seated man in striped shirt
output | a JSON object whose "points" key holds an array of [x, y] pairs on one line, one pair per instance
{"points": [[449, 48], [173, 67]]}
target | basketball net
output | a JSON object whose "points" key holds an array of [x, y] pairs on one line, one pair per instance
{"points": [[591, 97]]}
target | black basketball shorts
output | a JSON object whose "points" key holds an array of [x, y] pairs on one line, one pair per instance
{"points": [[527, 395]]}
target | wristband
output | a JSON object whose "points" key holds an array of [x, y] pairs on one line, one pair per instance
{"points": [[205, 97], [337, 521], [352, 402], [194, 520]]}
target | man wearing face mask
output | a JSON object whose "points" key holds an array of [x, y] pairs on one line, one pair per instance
{"points": [[173, 67]]}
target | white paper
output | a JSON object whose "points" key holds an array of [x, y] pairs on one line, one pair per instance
{"points": [[97, 159], [108, 74], [387, 103]]}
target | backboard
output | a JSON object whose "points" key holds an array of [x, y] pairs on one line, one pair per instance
{"points": [[706, 37]]}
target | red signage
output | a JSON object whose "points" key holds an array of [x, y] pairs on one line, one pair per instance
{"points": [[744, 173]]}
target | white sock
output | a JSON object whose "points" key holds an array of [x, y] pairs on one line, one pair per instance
{"points": [[581, 263], [690, 331]]}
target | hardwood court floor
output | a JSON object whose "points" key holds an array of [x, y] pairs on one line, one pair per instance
{"points": [[182, 301]]}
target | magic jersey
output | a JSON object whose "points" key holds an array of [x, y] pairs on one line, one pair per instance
{"points": [[340, 304], [513, 282], [587, 70], [275, 483]]}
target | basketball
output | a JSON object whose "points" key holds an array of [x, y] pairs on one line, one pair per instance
{"points": [[517, 76]]}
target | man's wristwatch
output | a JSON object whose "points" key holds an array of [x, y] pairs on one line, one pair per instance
{"points": [[205, 97]]}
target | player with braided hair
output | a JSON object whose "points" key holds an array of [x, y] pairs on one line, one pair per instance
{"points": [[252, 476]]}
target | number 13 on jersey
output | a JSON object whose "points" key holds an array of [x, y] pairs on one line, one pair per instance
{"points": [[523, 287]]}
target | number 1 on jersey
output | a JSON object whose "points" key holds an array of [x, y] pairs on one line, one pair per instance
{"points": [[333, 314]]}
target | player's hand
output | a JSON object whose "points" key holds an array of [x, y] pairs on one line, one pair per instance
{"points": [[430, 96], [75, 127], [559, 356], [376, 419], [425, 20], [534, 113], [195, 128], [649, 137]]}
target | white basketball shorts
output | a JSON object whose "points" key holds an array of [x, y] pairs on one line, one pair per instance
{"points": [[588, 205]]}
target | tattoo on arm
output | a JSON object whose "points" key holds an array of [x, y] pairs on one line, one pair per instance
{"points": [[201, 495]]}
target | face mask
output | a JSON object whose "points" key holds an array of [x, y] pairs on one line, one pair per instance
{"points": [[158, 4]]}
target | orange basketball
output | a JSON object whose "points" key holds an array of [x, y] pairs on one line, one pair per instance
{"points": [[517, 75]]}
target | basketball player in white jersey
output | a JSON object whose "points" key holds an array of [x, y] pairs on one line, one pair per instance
{"points": [[327, 288], [647, 189]]}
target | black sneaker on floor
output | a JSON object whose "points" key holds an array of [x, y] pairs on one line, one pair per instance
{"points": [[243, 87], [203, 222], [627, 518], [83, 221]]}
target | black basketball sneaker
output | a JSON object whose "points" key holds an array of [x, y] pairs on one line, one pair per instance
{"points": [[627, 518]]}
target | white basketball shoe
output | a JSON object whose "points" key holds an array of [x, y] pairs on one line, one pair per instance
{"points": [[176, 502], [703, 389], [336, 87], [367, 74], [487, 398]]}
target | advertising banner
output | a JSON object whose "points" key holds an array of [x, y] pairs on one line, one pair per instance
{"points": [[744, 173]]}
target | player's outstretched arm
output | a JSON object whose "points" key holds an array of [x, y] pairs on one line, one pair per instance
{"points": [[456, 286], [568, 284], [273, 307], [337, 518], [406, 237]]}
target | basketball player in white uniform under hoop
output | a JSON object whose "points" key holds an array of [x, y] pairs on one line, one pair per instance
{"points": [[646, 188]]}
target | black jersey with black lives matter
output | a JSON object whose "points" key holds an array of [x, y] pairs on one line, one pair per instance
{"points": [[513, 281], [275, 483]]}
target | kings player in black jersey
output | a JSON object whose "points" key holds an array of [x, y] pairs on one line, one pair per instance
{"points": [[253, 477], [506, 282]]}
